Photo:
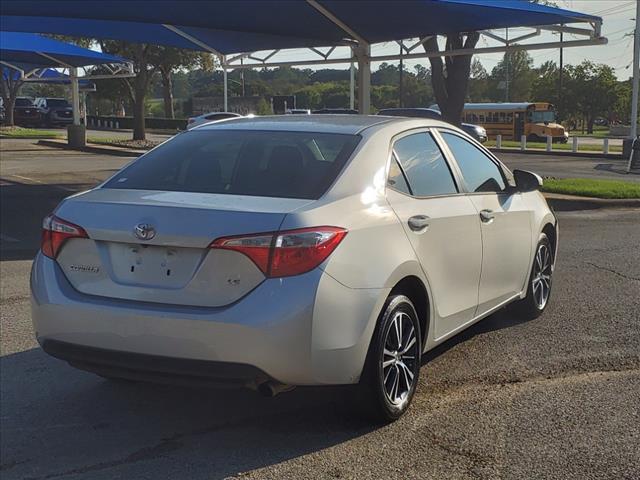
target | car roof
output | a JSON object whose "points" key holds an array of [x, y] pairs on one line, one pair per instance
{"points": [[345, 124]]}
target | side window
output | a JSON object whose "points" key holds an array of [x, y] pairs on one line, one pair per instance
{"points": [[396, 178], [480, 173], [424, 166]]}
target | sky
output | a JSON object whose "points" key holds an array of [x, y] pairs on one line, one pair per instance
{"points": [[618, 25]]}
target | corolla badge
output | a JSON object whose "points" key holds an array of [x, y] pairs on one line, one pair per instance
{"points": [[144, 231]]}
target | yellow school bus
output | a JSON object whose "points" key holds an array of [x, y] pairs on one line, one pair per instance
{"points": [[512, 120]]}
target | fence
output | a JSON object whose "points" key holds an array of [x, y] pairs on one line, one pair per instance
{"points": [[575, 145]]}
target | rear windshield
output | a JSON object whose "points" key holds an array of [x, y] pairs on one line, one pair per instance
{"points": [[261, 163], [23, 102]]}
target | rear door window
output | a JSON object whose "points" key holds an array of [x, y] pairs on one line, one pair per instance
{"points": [[424, 166], [260, 163]]}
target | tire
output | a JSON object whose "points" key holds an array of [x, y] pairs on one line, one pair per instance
{"points": [[389, 389], [539, 283]]}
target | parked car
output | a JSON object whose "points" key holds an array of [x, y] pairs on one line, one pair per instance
{"points": [[476, 131], [54, 111], [25, 113], [210, 117], [342, 111], [277, 251], [298, 111]]}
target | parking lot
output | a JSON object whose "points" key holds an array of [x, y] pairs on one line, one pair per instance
{"points": [[555, 397]]}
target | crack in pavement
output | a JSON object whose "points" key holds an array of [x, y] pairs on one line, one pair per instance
{"points": [[175, 442], [611, 270]]}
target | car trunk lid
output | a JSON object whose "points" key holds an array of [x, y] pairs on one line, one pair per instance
{"points": [[168, 260]]}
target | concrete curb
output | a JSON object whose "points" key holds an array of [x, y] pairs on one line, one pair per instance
{"points": [[94, 148], [559, 153], [567, 203]]}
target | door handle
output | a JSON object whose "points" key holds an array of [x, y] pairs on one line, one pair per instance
{"points": [[418, 223], [487, 215]]}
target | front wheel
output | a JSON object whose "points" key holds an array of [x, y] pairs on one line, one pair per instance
{"points": [[539, 285], [393, 363]]}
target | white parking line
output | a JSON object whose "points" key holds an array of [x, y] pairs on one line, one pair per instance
{"points": [[27, 178], [7, 238]]}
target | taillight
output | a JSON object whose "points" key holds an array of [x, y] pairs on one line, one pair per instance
{"points": [[286, 253], [55, 232]]}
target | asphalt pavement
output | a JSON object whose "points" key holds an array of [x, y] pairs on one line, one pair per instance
{"points": [[556, 397]]}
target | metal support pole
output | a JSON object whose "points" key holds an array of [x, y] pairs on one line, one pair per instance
{"points": [[352, 86], [506, 65], [560, 105], [636, 75], [75, 96], [226, 89], [400, 93], [363, 55]]}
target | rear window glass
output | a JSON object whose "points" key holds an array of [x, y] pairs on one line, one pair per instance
{"points": [[23, 102], [260, 163]]}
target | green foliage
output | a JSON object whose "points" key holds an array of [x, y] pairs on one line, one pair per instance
{"points": [[19, 132], [511, 78], [264, 108], [592, 188]]}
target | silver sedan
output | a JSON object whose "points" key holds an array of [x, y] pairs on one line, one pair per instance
{"points": [[297, 250]]}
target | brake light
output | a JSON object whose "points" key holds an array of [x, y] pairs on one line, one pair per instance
{"points": [[286, 253], [55, 232]]}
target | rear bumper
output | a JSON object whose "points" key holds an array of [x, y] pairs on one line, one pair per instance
{"points": [[154, 368], [303, 330]]}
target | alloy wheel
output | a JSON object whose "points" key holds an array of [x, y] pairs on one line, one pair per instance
{"points": [[541, 278], [399, 359]]}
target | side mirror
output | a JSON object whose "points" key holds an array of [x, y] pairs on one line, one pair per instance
{"points": [[527, 181]]}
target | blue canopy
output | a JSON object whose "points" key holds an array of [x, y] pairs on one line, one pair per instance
{"points": [[228, 26], [29, 51]]}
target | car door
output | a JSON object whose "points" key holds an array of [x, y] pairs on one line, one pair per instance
{"points": [[442, 225], [505, 220]]}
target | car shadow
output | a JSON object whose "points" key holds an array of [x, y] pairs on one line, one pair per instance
{"points": [[503, 318], [22, 208], [92, 426]]}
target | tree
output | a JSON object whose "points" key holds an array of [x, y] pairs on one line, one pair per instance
{"points": [[511, 78], [11, 84], [144, 58], [478, 82], [595, 90], [170, 59], [451, 77]]}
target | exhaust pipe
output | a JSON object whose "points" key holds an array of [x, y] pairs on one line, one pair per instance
{"points": [[271, 389]]}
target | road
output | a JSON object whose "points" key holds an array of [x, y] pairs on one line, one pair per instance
{"points": [[551, 398]]}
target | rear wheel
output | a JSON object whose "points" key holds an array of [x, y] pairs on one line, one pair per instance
{"points": [[393, 362], [539, 286]]}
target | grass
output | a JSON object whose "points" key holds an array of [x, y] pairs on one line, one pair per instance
{"points": [[556, 146], [20, 132], [592, 188]]}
